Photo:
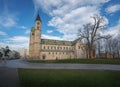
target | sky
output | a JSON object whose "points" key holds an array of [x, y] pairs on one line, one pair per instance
{"points": [[61, 19]]}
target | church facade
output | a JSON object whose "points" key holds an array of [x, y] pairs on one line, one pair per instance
{"points": [[47, 49]]}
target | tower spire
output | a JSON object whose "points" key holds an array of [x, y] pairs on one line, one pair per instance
{"points": [[38, 18]]}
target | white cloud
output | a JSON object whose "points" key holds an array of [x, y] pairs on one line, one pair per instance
{"points": [[3, 33], [69, 15], [49, 31], [113, 8], [27, 32], [114, 30], [49, 5], [15, 42], [14, 46], [19, 39], [51, 37], [8, 19], [72, 21], [23, 27]]}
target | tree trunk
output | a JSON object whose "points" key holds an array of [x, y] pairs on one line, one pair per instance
{"points": [[90, 53]]}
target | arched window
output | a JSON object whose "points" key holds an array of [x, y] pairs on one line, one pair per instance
{"points": [[32, 33], [44, 56], [38, 23]]}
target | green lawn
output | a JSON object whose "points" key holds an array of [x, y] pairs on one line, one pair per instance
{"points": [[68, 78], [88, 61]]}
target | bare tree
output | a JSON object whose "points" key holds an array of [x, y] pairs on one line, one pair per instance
{"points": [[113, 47], [107, 47], [99, 46], [6, 50], [118, 46], [91, 33]]}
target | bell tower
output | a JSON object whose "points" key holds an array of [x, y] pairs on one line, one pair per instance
{"points": [[35, 40], [31, 44], [37, 37]]}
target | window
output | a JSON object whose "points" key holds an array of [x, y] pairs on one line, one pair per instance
{"points": [[69, 48], [73, 48], [54, 47], [48, 47], [32, 33], [38, 23], [66, 53], [51, 47], [49, 52], [43, 57], [78, 47], [38, 27], [44, 47]]}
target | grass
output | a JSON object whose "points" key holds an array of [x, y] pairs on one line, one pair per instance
{"points": [[87, 61], [68, 78]]}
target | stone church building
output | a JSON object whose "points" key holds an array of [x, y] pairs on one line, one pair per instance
{"points": [[47, 49]]}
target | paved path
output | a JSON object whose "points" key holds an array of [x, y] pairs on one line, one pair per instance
{"points": [[9, 77], [22, 64]]}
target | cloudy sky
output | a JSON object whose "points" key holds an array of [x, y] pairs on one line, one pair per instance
{"points": [[61, 19]]}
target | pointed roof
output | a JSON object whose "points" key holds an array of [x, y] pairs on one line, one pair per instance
{"points": [[38, 18]]}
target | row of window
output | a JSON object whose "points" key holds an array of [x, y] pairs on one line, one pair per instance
{"points": [[59, 53], [57, 48]]}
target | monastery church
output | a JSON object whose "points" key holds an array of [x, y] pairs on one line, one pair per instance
{"points": [[47, 49]]}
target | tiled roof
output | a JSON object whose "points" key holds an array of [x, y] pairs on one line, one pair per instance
{"points": [[56, 42], [48, 50]]}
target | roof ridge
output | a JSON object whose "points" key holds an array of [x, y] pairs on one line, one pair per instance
{"points": [[56, 40]]}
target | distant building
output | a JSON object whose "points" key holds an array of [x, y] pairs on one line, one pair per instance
{"points": [[24, 52], [47, 49], [13, 54], [105, 55]]}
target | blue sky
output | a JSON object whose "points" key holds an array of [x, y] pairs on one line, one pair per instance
{"points": [[61, 19]]}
